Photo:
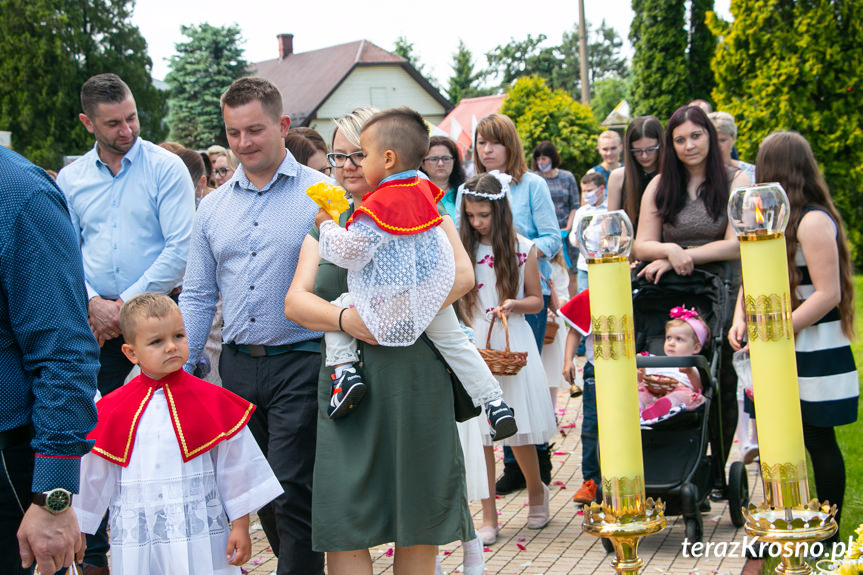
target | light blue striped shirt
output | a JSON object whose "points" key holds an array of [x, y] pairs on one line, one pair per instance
{"points": [[134, 227], [245, 246]]}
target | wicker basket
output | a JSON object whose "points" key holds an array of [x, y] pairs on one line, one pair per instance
{"points": [[502, 362], [551, 327], [659, 385]]}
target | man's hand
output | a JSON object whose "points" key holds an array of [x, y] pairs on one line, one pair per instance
{"points": [[103, 317], [53, 541], [321, 217]]}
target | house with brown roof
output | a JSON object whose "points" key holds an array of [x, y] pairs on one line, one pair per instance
{"points": [[324, 84]]}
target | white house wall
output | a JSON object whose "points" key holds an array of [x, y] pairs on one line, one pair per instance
{"points": [[380, 87]]}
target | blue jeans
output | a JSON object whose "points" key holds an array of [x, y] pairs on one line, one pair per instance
{"points": [[589, 427], [581, 280]]}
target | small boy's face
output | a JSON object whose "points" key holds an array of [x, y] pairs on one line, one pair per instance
{"points": [[592, 195], [159, 345], [377, 161]]}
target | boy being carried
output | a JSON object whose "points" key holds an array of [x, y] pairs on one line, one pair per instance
{"points": [[173, 459], [400, 268]]}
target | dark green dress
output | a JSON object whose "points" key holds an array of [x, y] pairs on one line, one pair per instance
{"points": [[392, 470]]}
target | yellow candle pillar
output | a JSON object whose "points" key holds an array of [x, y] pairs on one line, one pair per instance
{"points": [[767, 303], [620, 455], [759, 215]]}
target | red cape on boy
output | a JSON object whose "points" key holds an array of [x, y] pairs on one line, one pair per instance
{"points": [[203, 415], [402, 207]]}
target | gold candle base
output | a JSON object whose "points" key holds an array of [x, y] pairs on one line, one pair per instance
{"points": [[624, 517], [789, 527]]}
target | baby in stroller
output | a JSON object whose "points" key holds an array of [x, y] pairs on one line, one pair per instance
{"points": [[664, 391]]}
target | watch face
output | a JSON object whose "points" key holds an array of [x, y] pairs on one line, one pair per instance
{"points": [[57, 500]]}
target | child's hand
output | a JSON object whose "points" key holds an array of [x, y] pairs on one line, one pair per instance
{"points": [[640, 374], [506, 307], [568, 370], [239, 549], [321, 217]]}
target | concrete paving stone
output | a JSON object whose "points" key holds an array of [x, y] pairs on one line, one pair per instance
{"points": [[563, 547]]}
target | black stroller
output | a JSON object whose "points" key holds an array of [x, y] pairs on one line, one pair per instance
{"points": [[677, 466]]}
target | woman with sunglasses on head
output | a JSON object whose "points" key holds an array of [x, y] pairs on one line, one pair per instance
{"points": [[443, 166], [642, 150], [393, 471]]}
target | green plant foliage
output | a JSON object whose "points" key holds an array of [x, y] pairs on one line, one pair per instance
{"points": [[798, 65], [702, 44], [659, 67], [48, 49], [201, 70], [464, 82], [541, 113], [607, 93]]}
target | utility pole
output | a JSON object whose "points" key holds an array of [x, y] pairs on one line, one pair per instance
{"points": [[582, 54]]}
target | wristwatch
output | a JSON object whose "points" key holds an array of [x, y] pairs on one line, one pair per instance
{"points": [[54, 500]]}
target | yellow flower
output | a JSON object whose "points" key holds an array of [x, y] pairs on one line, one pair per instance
{"points": [[331, 198]]}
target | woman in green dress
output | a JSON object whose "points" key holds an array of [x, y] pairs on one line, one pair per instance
{"points": [[393, 471]]}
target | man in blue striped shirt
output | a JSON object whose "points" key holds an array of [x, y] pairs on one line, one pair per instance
{"points": [[132, 205], [245, 246], [48, 365]]}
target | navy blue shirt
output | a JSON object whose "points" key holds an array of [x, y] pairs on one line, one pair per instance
{"points": [[48, 355]]}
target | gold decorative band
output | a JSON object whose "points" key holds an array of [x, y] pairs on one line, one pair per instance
{"points": [[761, 235], [612, 337], [607, 259], [768, 317], [623, 495], [785, 484]]}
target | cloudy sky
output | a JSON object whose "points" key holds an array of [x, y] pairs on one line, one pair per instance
{"points": [[434, 27]]}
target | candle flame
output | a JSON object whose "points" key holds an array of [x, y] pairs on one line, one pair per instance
{"points": [[759, 215]]}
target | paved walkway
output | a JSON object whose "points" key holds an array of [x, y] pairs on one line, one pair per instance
{"points": [[562, 547]]}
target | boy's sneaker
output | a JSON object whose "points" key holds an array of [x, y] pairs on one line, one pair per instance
{"points": [[501, 420], [586, 493], [348, 390]]}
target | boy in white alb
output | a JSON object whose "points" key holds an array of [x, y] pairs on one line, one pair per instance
{"points": [[173, 459], [400, 268]]}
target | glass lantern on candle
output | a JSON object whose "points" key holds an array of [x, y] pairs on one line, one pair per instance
{"points": [[760, 210], [605, 237]]}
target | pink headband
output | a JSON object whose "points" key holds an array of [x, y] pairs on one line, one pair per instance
{"points": [[690, 316]]}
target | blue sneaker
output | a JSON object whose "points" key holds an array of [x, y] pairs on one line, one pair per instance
{"points": [[348, 390]]}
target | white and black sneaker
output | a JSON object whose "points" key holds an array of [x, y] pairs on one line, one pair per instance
{"points": [[348, 390], [501, 419]]}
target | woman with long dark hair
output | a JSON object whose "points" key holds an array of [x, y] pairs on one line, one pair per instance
{"points": [[642, 149], [822, 299]]}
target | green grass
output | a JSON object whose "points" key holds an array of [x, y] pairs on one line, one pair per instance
{"points": [[849, 437]]}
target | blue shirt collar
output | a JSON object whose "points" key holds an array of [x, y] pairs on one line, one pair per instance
{"points": [[401, 176], [289, 168], [128, 157]]}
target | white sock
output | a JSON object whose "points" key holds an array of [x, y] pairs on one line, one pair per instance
{"points": [[438, 570], [473, 561], [342, 368]]}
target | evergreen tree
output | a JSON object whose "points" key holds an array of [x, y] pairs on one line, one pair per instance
{"points": [[541, 113], [49, 48], [519, 58], [798, 65], [702, 44], [607, 93], [202, 69], [464, 82], [659, 71]]}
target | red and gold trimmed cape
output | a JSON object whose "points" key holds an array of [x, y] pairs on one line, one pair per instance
{"points": [[402, 207], [203, 415]]}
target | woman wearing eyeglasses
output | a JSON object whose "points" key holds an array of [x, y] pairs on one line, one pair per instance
{"points": [[642, 150], [393, 471], [223, 167], [443, 166]]}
